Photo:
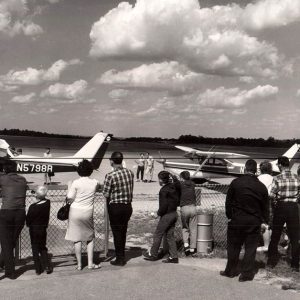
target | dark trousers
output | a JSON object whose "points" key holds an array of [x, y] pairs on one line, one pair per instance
{"points": [[140, 170], [38, 238], [11, 224], [119, 216], [245, 231], [285, 212], [165, 228]]}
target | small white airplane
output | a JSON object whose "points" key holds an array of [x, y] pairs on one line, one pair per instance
{"points": [[93, 151], [211, 165]]}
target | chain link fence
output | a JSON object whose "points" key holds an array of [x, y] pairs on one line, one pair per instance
{"points": [[56, 243], [210, 199]]}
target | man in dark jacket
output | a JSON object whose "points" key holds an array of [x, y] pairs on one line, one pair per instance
{"points": [[247, 207], [12, 214], [169, 196]]}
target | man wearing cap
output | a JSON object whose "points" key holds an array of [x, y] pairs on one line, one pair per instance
{"points": [[12, 215], [118, 191], [284, 194]]}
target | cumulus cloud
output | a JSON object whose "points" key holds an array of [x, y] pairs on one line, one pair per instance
{"points": [[70, 93], [208, 40], [15, 19], [172, 77], [298, 93], [118, 94], [234, 97], [32, 76], [24, 99], [7, 88]]}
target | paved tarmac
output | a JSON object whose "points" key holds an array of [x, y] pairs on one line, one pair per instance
{"points": [[139, 279]]}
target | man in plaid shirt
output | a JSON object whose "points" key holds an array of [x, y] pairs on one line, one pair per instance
{"points": [[284, 194], [118, 190]]}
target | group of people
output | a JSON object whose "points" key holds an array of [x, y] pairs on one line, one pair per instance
{"points": [[13, 218], [249, 203], [145, 167]]}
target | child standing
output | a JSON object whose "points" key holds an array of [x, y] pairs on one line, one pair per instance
{"points": [[169, 196], [37, 220], [188, 213]]}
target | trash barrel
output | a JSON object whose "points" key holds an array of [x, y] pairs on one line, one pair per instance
{"points": [[205, 233]]}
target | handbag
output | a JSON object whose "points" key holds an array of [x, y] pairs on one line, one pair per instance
{"points": [[63, 212]]}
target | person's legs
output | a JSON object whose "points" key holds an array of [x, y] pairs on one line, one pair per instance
{"points": [[171, 240], [7, 240], [77, 246], [162, 227], [119, 216], [142, 173], [90, 252], [35, 253], [19, 220], [185, 225], [251, 242], [235, 241], [138, 171], [193, 228], [292, 223], [277, 226]]}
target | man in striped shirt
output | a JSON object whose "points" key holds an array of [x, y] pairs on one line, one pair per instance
{"points": [[118, 191], [284, 194]]}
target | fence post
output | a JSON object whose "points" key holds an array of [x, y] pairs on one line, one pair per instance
{"points": [[18, 248], [106, 225]]}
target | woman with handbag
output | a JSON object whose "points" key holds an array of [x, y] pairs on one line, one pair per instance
{"points": [[81, 224]]}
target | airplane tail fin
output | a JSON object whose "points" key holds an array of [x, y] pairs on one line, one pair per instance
{"points": [[95, 149], [291, 154]]}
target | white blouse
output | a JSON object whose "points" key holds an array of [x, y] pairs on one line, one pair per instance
{"points": [[83, 191]]}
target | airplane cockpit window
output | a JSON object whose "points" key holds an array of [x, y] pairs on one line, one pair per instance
{"points": [[220, 162]]}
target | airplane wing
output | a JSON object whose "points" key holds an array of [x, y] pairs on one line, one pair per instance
{"points": [[200, 153]]}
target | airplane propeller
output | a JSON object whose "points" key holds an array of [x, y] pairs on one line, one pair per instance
{"points": [[162, 160]]}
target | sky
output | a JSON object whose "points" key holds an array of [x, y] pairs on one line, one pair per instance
{"points": [[157, 68]]}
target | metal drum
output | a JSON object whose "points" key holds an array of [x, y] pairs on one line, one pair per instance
{"points": [[205, 233]]}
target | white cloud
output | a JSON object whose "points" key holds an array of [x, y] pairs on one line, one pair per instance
{"points": [[117, 94], [172, 77], [24, 99], [298, 93], [15, 19], [207, 40], [271, 13], [234, 97], [246, 79], [32, 76], [7, 88], [76, 92]]}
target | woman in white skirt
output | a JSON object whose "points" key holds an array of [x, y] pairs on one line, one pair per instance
{"points": [[81, 223]]}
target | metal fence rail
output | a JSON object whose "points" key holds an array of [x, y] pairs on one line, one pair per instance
{"points": [[210, 198]]}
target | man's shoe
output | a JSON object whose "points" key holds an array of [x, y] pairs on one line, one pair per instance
{"points": [[170, 260], [118, 262], [11, 276], [229, 275], [49, 270], [147, 256], [244, 278]]}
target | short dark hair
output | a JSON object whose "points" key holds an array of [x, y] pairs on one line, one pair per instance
{"points": [[265, 167], [251, 166], [185, 175], [10, 166], [283, 161], [85, 168], [117, 157], [164, 176]]}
